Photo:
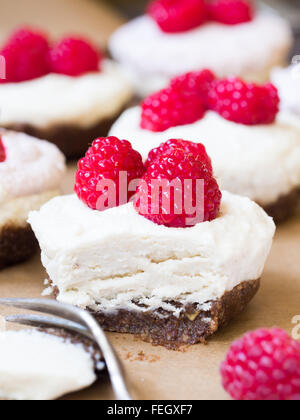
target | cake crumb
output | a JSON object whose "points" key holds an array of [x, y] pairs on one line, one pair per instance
{"points": [[141, 357], [128, 356]]}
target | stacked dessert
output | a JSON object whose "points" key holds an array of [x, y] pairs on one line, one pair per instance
{"points": [[174, 264], [67, 93], [31, 171], [254, 152], [228, 36]]}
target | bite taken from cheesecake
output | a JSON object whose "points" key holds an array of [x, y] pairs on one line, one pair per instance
{"points": [[31, 171], [70, 92], [171, 266], [255, 151]]}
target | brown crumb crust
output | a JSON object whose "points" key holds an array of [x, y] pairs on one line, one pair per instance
{"points": [[192, 326], [17, 244]]}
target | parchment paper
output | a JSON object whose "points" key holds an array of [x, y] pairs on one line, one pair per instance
{"points": [[156, 372]]}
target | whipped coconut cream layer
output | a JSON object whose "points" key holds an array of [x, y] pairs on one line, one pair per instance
{"points": [[58, 99], [250, 50], [287, 80], [31, 167], [261, 162], [39, 366], [107, 260]]}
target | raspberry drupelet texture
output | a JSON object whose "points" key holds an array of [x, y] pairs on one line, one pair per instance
{"points": [[26, 56], [178, 15], [244, 103], [179, 202], [74, 57], [171, 107], [197, 82], [2, 151], [102, 164], [230, 12], [264, 365], [196, 149]]}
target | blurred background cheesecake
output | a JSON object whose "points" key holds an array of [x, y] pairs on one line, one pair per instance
{"points": [[152, 50], [61, 16], [289, 9], [97, 20]]}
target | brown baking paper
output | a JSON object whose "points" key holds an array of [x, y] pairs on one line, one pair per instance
{"points": [[158, 373]]}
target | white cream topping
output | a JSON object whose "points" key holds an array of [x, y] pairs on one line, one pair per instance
{"points": [[58, 99], [290, 118], [287, 80], [261, 162], [249, 50], [106, 260], [31, 167], [39, 366]]}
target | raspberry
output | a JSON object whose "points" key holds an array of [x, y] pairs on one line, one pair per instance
{"points": [[230, 12], [26, 56], [196, 149], [245, 103], [176, 204], [171, 107], [198, 82], [264, 365], [104, 160], [2, 151], [74, 57], [178, 15]]}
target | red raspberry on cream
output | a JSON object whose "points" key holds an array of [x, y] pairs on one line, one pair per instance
{"points": [[189, 147], [174, 203], [104, 161], [230, 12], [26, 56], [171, 107], [178, 15], [74, 57], [244, 103], [196, 82]]}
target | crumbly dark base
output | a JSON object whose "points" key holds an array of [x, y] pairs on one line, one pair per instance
{"points": [[285, 207], [71, 140], [191, 327], [17, 244]]}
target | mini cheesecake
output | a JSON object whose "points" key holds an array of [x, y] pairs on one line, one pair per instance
{"points": [[67, 111], [249, 50], [30, 175], [171, 286], [45, 365], [261, 162], [70, 92]]}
